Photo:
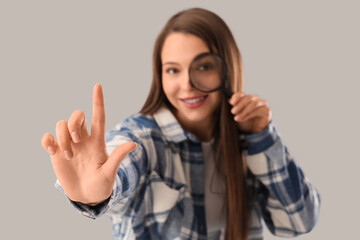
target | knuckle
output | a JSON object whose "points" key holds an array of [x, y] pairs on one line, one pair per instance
{"points": [[255, 97], [255, 102], [98, 120], [240, 94], [63, 144], [61, 132], [261, 103], [72, 126], [248, 97]]}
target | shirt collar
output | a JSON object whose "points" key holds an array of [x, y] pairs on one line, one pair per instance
{"points": [[170, 126]]}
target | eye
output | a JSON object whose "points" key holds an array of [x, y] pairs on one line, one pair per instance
{"points": [[171, 71], [205, 66]]}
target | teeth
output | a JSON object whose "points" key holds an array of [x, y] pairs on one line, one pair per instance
{"points": [[195, 100]]}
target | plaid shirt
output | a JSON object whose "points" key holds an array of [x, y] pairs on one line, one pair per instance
{"points": [[159, 188]]}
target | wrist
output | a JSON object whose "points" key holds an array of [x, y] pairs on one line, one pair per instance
{"points": [[260, 141]]}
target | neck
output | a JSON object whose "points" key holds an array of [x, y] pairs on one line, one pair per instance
{"points": [[203, 129]]}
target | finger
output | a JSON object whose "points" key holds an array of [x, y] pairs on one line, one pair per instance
{"points": [[63, 137], [251, 106], [48, 143], [112, 164], [98, 121], [235, 98], [242, 103], [262, 111], [77, 126]]}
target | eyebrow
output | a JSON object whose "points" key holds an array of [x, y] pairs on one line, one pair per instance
{"points": [[171, 63]]}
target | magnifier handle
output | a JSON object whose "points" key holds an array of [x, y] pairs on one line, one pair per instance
{"points": [[228, 92]]}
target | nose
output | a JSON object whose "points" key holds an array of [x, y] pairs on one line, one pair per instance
{"points": [[185, 83]]}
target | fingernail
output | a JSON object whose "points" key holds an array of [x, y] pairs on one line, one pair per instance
{"points": [[51, 150], [75, 137], [68, 154]]}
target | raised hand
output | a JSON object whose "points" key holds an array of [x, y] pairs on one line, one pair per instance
{"points": [[251, 113], [80, 161]]}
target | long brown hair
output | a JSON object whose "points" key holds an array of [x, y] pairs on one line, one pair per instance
{"points": [[215, 33]]}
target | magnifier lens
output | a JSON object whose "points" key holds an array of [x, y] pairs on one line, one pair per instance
{"points": [[207, 72]]}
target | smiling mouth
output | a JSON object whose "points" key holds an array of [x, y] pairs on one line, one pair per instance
{"points": [[194, 100]]}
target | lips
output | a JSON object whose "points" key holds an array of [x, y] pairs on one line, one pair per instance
{"points": [[193, 102]]}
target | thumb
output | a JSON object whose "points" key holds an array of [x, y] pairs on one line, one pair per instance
{"points": [[112, 164]]}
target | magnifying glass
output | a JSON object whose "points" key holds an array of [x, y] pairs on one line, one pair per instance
{"points": [[208, 73]]}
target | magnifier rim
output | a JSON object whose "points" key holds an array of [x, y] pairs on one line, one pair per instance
{"points": [[222, 85]]}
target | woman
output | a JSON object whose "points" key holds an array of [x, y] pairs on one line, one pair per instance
{"points": [[203, 167]]}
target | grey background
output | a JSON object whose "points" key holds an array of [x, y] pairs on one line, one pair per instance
{"points": [[301, 56]]}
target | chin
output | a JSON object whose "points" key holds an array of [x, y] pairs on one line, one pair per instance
{"points": [[196, 116]]}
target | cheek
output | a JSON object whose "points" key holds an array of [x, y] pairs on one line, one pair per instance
{"points": [[168, 87]]}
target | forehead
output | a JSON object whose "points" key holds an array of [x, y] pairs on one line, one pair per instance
{"points": [[180, 47]]}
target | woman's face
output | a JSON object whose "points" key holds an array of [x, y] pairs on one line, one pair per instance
{"points": [[193, 107]]}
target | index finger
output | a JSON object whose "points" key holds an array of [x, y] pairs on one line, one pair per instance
{"points": [[98, 121]]}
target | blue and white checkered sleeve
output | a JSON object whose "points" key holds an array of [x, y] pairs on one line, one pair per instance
{"points": [[289, 204], [129, 176]]}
